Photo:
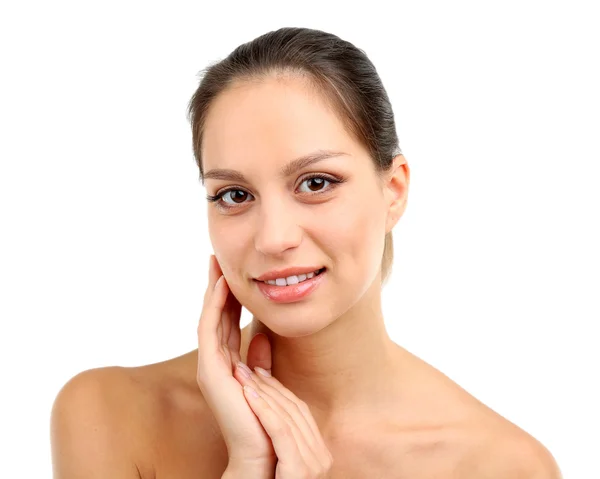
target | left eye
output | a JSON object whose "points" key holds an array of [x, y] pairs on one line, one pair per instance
{"points": [[317, 183]]}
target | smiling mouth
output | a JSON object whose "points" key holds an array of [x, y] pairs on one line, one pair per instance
{"points": [[297, 289], [292, 280]]}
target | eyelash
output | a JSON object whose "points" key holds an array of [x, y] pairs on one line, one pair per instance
{"points": [[217, 198]]}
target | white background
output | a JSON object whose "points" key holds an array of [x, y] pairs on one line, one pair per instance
{"points": [[104, 246]]}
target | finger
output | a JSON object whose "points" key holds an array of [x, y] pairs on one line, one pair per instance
{"points": [[231, 309], [231, 316], [307, 420], [214, 270], [235, 335], [214, 273], [216, 267], [220, 331], [294, 407], [259, 352], [286, 410], [211, 315], [211, 269], [230, 329], [281, 432]]}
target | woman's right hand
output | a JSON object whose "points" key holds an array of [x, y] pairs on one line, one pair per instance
{"points": [[249, 447]]}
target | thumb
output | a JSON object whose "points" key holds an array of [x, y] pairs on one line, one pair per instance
{"points": [[259, 352]]}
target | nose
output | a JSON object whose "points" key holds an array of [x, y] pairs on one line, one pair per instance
{"points": [[277, 228]]}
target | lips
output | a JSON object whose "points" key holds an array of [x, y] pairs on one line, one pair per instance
{"points": [[293, 292]]}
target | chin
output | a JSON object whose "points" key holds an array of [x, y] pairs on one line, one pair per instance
{"points": [[290, 325]]}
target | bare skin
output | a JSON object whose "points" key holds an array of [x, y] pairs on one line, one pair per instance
{"points": [[430, 428], [381, 411]]}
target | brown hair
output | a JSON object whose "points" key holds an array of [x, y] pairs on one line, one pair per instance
{"points": [[336, 68]]}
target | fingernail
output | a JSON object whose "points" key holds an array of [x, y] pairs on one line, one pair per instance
{"points": [[262, 371], [244, 370]]}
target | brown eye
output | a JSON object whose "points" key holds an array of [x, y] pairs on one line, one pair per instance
{"points": [[315, 183], [237, 196]]}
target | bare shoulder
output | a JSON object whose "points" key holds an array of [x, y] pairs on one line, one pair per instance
{"points": [[515, 454], [482, 443], [134, 422], [92, 425], [506, 450], [500, 449]]}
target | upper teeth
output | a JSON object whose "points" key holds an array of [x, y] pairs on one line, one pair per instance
{"points": [[291, 279]]}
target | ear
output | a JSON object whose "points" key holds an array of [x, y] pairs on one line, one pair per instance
{"points": [[396, 191], [259, 352]]}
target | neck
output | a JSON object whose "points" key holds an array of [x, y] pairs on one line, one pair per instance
{"points": [[339, 369]]}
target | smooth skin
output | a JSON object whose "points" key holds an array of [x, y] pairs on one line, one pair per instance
{"points": [[343, 400], [265, 426]]}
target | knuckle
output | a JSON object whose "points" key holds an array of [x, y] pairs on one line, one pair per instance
{"points": [[283, 429], [324, 471], [288, 418], [302, 406], [308, 472]]}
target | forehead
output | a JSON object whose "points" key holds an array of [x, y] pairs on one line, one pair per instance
{"points": [[274, 118]]}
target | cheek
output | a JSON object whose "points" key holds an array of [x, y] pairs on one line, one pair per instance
{"points": [[353, 231], [226, 248], [365, 216]]}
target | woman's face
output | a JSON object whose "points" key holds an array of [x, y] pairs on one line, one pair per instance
{"points": [[269, 221]]}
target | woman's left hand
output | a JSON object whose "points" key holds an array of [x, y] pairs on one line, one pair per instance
{"points": [[298, 444]]}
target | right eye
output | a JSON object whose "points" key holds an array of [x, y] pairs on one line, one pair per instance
{"points": [[235, 195]]}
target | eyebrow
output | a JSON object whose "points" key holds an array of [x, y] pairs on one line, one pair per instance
{"points": [[287, 170]]}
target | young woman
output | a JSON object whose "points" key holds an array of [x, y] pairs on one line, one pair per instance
{"points": [[295, 139]]}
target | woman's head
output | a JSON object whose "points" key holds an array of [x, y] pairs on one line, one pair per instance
{"points": [[287, 94]]}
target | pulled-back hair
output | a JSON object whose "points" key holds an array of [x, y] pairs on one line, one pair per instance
{"points": [[337, 69]]}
